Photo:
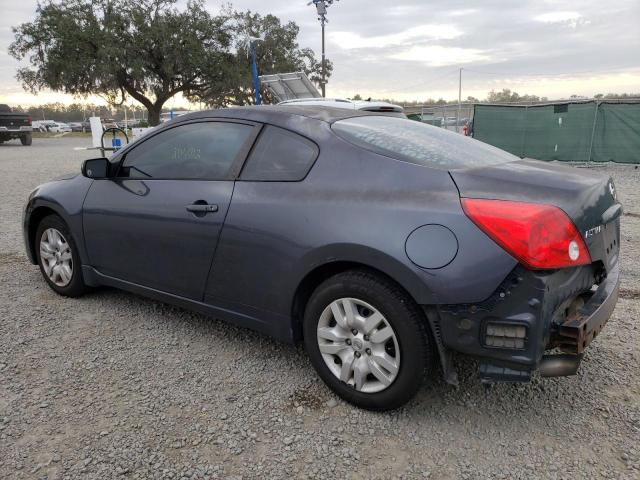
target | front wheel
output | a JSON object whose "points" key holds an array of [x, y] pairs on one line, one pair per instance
{"points": [[58, 257], [367, 339]]}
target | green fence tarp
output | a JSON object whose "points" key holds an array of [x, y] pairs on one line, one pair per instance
{"points": [[617, 136], [590, 131]]}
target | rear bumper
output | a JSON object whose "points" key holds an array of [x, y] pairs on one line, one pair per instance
{"points": [[7, 134], [16, 131], [555, 310]]}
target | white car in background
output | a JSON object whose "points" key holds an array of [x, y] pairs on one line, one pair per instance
{"points": [[59, 127], [380, 107], [42, 125]]}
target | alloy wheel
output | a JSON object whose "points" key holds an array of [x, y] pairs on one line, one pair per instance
{"points": [[56, 257], [358, 345]]}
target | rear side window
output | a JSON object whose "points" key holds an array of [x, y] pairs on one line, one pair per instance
{"points": [[279, 155], [204, 151], [419, 143]]}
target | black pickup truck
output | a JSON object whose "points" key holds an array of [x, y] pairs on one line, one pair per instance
{"points": [[14, 125]]}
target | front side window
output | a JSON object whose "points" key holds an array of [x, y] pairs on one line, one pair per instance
{"points": [[418, 143], [279, 155], [204, 151]]}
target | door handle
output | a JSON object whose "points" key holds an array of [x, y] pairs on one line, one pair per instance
{"points": [[202, 208]]}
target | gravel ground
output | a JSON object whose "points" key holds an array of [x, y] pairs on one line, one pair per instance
{"points": [[116, 386]]}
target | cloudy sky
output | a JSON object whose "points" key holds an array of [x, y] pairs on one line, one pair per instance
{"points": [[413, 49]]}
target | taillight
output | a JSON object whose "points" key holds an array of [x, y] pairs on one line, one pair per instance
{"points": [[539, 236]]}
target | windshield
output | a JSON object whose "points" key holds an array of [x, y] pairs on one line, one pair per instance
{"points": [[415, 142]]}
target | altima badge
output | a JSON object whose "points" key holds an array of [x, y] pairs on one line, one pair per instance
{"points": [[593, 231]]}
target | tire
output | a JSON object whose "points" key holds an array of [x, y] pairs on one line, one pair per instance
{"points": [[26, 139], [59, 280], [410, 349]]}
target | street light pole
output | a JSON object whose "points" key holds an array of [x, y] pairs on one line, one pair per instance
{"points": [[459, 101], [324, 71], [321, 8]]}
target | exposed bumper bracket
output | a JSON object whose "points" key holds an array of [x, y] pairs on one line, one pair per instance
{"points": [[446, 361], [579, 330]]}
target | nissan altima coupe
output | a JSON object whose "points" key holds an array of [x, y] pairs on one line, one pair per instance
{"points": [[383, 244]]}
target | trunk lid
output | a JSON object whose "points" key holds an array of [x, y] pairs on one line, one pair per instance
{"points": [[589, 198]]}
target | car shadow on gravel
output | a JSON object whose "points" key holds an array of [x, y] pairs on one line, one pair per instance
{"points": [[244, 338]]}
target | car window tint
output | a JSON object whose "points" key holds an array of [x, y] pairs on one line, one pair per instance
{"points": [[195, 151], [419, 143], [279, 155]]}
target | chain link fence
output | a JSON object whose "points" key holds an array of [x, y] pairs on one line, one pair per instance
{"points": [[448, 116]]}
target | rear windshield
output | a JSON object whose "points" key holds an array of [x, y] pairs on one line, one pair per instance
{"points": [[415, 142]]}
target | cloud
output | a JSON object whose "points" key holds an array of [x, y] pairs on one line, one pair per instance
{"points": [[411, 49], [463, 12], [439, 56], [572, 19], [350, 40]]}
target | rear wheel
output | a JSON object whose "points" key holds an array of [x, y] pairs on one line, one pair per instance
{"points": [[26, 139], [58, 257], [367, 340]]}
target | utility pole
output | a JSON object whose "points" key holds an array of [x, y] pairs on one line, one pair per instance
{"points": [[324, 63], [254, 68], [459, 101], [321, 8]]}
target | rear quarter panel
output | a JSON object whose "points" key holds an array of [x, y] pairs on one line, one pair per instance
{"points": [[353, 206]]}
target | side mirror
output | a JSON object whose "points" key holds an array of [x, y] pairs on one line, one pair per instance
{"points": [[96, 168]]}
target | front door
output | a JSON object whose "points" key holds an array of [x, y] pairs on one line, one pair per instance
{"points": [[157, 223]]}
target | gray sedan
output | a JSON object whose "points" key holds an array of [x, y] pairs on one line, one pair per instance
{"points": [[381, 243]]}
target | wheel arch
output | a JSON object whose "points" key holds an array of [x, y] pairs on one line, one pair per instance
{"points": [[403, 277], [37, 213]]}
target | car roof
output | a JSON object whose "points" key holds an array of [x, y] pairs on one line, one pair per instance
{"points": [[305, 101], [318, 102], [277, 113], [344, 103]]}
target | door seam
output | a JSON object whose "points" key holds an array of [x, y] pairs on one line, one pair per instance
{"points": [[215, 248]]}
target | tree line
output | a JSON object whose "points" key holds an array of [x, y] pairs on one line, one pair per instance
{"points": [[152, 50], [77, 112]]}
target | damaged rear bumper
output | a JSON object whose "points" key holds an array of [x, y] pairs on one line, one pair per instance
{"points": [[528, 315]]}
